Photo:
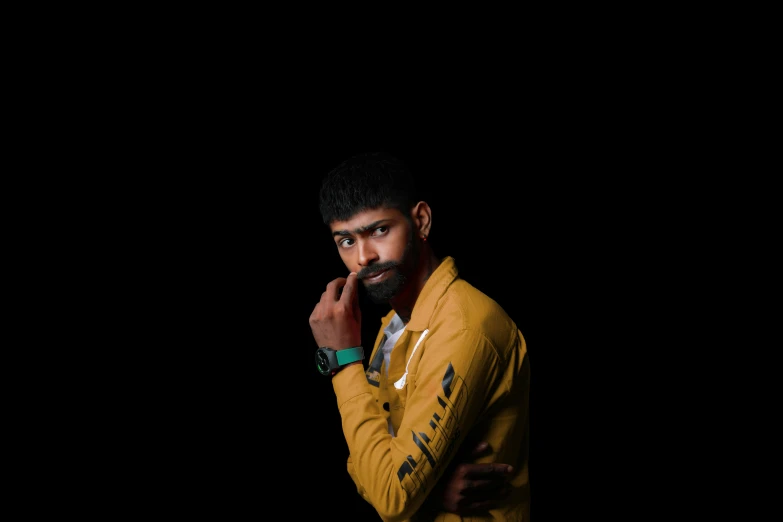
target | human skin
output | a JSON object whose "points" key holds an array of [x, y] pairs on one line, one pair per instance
{"points": [[384, 239], [368, 241]]}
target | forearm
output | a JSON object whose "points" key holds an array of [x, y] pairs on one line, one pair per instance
{"points": [[375, 458]]}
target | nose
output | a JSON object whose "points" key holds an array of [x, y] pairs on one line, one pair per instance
{"points": [[367, 254]]}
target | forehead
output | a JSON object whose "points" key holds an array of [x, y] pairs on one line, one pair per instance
{"points": [[366, 218]]}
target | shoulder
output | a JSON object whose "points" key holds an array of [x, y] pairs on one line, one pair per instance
{"points": [[472, 304], [465, 308]]}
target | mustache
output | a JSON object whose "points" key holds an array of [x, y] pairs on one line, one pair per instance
{"points": [[370, 271]]}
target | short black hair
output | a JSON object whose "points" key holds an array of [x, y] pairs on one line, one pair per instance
{"points": [[367, 181]]}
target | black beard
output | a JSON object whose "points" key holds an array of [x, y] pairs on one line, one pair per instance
{"points": [[384, 291]]}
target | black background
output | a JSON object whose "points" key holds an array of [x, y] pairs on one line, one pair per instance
{"points": [[187, 254]]}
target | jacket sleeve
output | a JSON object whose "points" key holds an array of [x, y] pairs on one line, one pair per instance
{"points": [[448, 380]]}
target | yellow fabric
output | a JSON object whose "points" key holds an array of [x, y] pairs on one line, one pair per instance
{"points": [[469, 377]]}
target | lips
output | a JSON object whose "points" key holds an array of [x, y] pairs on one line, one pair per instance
{"points": [[375, 275]]}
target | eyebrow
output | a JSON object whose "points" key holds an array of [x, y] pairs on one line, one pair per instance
{"points": [[359, 230]]}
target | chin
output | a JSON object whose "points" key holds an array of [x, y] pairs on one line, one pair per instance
{"points": [[384, 291]]}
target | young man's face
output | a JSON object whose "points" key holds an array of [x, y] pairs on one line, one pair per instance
{"points": [[378, 245]]}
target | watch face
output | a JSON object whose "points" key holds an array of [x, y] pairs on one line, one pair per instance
{"points": [[322, 362]]}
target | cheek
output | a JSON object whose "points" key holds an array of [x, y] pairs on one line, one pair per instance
{"points": [[387, 253], [393, 250], [349, 259]]}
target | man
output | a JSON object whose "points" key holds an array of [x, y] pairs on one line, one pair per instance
{"points": [[448, 365]]}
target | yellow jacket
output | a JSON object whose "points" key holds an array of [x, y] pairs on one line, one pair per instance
{"points": [[459, 370]]}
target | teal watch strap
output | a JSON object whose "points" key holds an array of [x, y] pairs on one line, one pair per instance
{"points": [[350, 355]]}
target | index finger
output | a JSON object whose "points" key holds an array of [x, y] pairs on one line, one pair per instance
{"points": [[349, 290], [492, 469]]}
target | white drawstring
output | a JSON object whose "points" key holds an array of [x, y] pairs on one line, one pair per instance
{"points": [[399, 384]]}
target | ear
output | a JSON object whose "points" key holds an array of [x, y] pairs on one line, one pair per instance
{"points": [[422, 219]]}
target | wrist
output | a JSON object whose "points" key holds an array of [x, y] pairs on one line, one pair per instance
{"points": [[329, 361], [341, 368]]}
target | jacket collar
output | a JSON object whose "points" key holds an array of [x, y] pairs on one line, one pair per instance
{"points": [[433, 290]]}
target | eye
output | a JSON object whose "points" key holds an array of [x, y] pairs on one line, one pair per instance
{"points": [[380, 231], [345, 242]]}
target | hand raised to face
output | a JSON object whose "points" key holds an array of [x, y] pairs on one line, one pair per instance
{"points": [[336, 321]]}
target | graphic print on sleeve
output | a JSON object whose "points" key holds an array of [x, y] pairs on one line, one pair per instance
{"points": [[437, 442]]}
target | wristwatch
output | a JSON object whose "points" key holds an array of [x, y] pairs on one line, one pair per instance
{"points": [[329, 361]]}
